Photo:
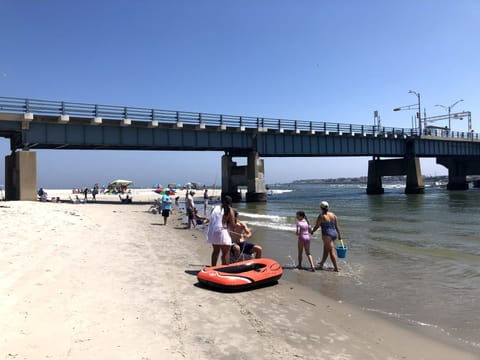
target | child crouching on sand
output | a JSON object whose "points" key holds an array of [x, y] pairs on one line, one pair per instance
{"points": [[303, 233]]}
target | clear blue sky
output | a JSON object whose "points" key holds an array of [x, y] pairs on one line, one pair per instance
{"points": [[334, 61]]}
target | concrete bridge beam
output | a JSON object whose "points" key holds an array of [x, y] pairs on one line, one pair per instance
{"points": [[21, 176]]}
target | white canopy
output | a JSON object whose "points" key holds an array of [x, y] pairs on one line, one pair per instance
{"points": [[120, 182]]}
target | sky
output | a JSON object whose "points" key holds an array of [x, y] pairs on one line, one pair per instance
{"points": [[315, 60]]}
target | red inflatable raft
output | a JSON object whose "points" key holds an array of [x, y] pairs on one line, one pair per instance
{"points": [[241, 275]]}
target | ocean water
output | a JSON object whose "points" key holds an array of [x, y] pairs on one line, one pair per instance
{"points": [[413, 259]]}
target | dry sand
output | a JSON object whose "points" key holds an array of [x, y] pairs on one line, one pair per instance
{"points": [[109, 281]]}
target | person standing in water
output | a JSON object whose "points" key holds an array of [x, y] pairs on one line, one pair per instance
{"points": [[330, 232], [303, 234]]}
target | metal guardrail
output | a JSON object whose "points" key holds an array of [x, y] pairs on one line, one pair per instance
{"points": [[81, 110], [448, 134]]}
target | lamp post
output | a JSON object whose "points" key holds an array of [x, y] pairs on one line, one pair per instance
{"points": [[413, 107], [419, 113], [449, 109]]}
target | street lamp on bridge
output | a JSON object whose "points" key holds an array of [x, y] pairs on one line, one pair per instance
{"points": [[449, 109], [413, 107]]}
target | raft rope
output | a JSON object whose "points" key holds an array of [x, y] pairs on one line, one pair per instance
{"points": [[243, 248]]}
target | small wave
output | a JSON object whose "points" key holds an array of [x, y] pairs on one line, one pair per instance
{"points": [[404, 317], [278, 191], [274, 218], [393, 186], [275, 226]]}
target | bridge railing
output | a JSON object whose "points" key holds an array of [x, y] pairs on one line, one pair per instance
{"points": [[448, 134], [81, 110]]}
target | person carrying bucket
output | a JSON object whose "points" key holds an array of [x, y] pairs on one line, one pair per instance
{"points": [[330, 232]]}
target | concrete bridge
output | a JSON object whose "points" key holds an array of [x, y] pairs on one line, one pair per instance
{"points": [[40, 124]]}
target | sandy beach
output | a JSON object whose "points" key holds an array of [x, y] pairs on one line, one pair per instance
{"points": [[107, 280]]}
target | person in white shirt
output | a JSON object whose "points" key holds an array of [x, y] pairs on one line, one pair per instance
{"points": [[222, 218]]}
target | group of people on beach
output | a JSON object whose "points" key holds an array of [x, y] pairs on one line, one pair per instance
{"points": [[227, 235]]}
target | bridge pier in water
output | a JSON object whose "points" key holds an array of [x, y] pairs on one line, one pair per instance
{"points": [[394, 167], [21, 176], [458, 169], [250, 175]]}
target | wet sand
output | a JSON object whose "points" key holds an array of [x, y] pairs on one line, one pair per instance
{"points": [[109, 281]]}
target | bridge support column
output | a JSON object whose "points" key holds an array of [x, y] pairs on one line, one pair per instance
{"points": [[230, 174], [414, 183], [21, 176], [251, 175], [256, 191], [394, 167], [374, 182], [457, 171]]}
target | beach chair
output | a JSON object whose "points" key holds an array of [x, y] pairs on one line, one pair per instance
{"points": [[76, 200], [127, 199], [156, 207]]}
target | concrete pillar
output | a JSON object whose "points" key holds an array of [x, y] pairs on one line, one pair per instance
{"points": [[457, 172], [21, 176], [230, 178], [256, 190], [374, 182], [394, 167], [251, 175], [414, 177]]}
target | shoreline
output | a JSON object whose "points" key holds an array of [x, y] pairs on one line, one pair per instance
{"points": [[111, 281]]}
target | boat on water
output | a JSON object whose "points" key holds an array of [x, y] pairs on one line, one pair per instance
{"points": [[241, 275], [441, 183]]}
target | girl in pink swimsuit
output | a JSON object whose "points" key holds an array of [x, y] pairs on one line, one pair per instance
{"points": [[303, 233]]}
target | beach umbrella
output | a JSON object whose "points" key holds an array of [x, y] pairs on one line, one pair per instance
{"points": [[164, 191], [120, 182]]}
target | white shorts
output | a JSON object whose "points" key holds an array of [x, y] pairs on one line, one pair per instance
{"points": [[221, 237]]}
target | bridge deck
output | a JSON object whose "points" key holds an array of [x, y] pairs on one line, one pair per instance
{"points": [[67, 125]]}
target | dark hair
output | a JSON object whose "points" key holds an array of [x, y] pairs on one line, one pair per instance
{"points": [[235, 212], [227, 200], [302, 214], [227, 209]]}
